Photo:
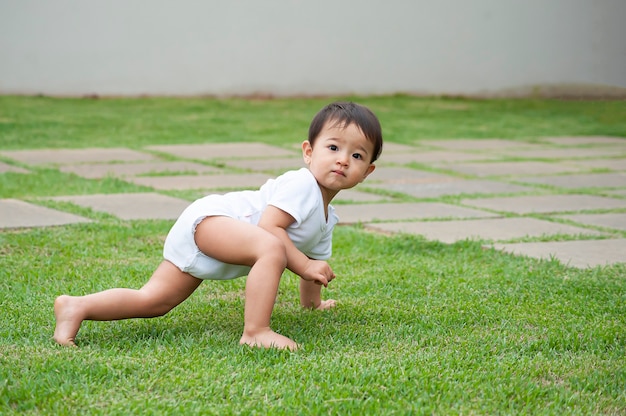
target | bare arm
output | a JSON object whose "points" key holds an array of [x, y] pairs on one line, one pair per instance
{"points": [[310, 296], [313, 272]]}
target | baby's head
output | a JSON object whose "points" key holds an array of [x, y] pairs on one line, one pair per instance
{"points": [[344, 114]]}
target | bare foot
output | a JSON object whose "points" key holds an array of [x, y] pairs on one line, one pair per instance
{"points": [[327, 304], [67, 324], [268, 339]]}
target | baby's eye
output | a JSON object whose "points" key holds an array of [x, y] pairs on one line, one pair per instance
{"points": [[357, 156], [333, 147]]}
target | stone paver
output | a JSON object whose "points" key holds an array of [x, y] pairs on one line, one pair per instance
{"points": [[479, 144], [432, 156], [395, 148], [246, 181], [612, 164], [101, 170], [404, 211], [444, 222], [567, 153], [75, 156], [5, 167], [267, 165], [591, 180], [17, 214], [585, 140], [607, 220], [496, 229], [510, 168], [131, 206], [223, 150], [546, 203], [355, 195], [456, 187], [390, 174], [581, 253]]}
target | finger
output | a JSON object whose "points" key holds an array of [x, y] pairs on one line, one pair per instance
{"points": [[320, 280]]}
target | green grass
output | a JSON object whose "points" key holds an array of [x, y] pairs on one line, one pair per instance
{"points": [[29, 123], [421, 327]]}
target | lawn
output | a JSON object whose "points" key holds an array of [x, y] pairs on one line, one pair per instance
{"points": [[421, 327]]}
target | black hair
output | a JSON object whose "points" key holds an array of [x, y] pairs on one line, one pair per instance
{"points": [[344, 114]]}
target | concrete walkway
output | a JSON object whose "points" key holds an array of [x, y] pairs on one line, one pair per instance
{"points": [[562, 198]]}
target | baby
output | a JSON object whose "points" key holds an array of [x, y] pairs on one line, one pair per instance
{"points": [[287, 223]]}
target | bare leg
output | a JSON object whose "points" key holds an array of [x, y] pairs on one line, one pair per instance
{"points": [[236, 242], [167, 288]]}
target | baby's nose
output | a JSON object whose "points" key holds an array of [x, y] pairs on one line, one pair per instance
{"points": [[342, 159]]}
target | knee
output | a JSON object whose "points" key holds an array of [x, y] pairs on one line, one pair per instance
{"points": [[273, 248]]}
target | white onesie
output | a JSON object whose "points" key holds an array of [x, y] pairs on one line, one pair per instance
{"points": [[295, 192]]}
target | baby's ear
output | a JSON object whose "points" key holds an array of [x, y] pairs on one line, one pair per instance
{"points": [[370, 169], [307, 149]]}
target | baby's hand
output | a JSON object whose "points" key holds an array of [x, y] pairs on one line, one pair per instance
{"points": [[327, 304], [318, 271]]}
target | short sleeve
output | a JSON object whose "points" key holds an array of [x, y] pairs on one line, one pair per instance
{"points": [[296, 193]]}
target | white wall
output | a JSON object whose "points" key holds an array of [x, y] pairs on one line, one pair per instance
{"points": [[288, 47]]}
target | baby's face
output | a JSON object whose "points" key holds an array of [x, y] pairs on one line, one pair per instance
{"points": [[340, 158]]}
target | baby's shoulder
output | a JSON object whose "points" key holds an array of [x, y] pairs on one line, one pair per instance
{"points": [[301, 180]]}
